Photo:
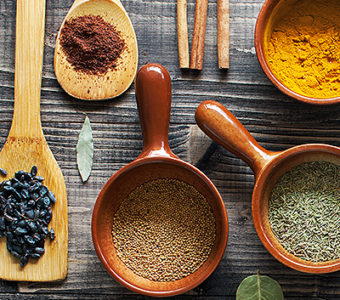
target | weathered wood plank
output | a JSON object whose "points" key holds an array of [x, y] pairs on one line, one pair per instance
{"points": [[275, 120]]}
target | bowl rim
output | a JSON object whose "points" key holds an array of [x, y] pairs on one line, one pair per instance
{"points": [[124, 281], [287, 258], [260, 26]]}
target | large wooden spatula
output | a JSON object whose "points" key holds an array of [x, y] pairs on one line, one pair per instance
{"points": [[26, 146]]}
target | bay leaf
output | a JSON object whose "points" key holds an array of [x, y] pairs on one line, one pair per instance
{"points": [[85, 150], [258, 287]]}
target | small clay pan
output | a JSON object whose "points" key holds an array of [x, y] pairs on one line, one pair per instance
{"points": [[271, 11], [220, 125], [153, 92]]}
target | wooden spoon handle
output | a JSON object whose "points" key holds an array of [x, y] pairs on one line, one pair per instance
{"points": [[221, 125], [153, 93], [29, 49]]}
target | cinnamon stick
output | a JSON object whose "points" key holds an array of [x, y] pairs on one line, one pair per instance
{"points": [[223, 33], [197, 50], [182, 34]]}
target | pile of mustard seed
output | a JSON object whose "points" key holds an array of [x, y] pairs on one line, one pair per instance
{"points": [[164, 230]]}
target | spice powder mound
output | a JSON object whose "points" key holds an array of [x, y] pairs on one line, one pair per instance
{"points": [[91, 45], [304, 48], [164, 230], [304, 211]]}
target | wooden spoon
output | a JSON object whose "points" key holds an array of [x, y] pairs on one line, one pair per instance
{"points": [[114, 82], [26, 146]]}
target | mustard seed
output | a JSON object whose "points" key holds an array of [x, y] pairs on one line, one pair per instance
{"points": [[164, 230]]}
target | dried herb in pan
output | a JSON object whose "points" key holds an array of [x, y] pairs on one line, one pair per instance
{"points": [[304, 211]]}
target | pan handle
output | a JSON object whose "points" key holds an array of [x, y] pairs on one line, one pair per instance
{"points": [[153, 93], [222, 126]]}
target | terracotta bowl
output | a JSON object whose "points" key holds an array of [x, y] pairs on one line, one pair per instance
{"points": [[270, 12], [153, 91], [219, 124]]}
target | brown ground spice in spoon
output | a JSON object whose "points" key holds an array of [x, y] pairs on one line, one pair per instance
{"points": [[91, 44]]}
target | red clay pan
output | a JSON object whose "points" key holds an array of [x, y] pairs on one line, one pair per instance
{"points": [[153, 92], [269, 14], [220, 125]]}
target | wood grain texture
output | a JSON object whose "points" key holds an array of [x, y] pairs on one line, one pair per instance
{"points": [[275, 120]]}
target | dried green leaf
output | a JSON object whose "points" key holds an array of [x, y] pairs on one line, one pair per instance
{"points": [[85, 150], [258, 287]]}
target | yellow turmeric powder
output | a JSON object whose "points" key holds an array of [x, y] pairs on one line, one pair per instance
{"points": [[304, 48]]}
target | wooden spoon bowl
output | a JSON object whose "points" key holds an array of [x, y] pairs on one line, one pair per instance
{"points": [[26, 147], [114, 82], [153, 91], [219, 124]]}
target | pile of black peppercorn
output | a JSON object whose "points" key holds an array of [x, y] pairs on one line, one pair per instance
{"points": [[25, 212]]}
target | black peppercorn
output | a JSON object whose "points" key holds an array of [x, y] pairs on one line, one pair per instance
{"points": [[25, 212]]}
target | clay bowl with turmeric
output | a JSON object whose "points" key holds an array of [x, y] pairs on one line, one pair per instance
{"points": [[156, 161], [293, 58], [222, 126]]}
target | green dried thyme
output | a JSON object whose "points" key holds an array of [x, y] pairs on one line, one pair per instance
{"points": [[164, 230], [304, 211]]}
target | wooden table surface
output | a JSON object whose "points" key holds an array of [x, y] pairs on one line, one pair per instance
{"points": [[275, 120]]}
